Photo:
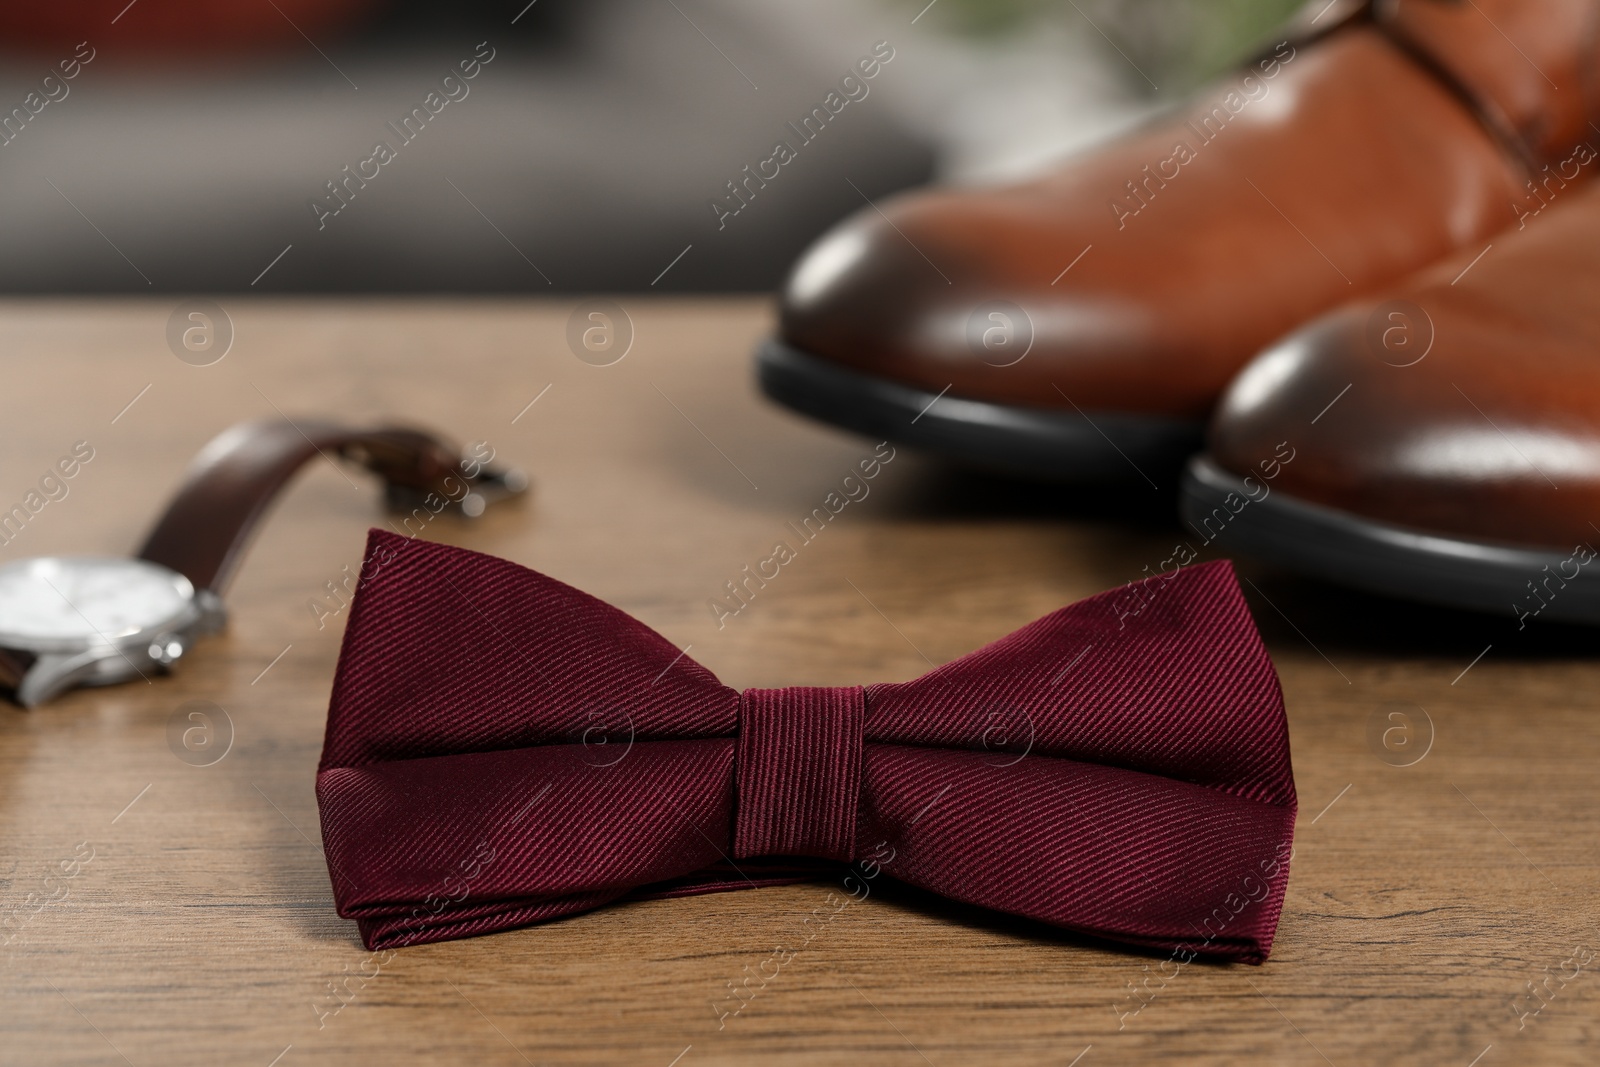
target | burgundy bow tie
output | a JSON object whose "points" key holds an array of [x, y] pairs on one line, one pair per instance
{"points": [[503, 749]]}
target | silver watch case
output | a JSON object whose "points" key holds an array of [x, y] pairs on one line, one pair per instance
{"points": [[60, 663]]}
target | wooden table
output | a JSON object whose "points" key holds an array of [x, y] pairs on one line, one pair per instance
{"points": [[1426, 903]]}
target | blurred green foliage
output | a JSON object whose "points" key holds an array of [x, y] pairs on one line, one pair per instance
{"points": [[1177, 43]]}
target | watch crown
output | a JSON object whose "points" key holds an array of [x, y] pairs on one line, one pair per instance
{"points": [[166, 649]]}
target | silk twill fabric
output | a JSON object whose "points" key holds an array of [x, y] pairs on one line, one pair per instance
{"points": [[1121, 775]]}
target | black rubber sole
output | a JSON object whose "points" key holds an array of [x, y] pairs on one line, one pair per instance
{"points": [[1382, 558], [1030, 443]]}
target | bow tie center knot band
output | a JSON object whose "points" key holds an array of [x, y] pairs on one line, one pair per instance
{"points": [[799, 772]]}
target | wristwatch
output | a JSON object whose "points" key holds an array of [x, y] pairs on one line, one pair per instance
{"points": [[67, 621]]}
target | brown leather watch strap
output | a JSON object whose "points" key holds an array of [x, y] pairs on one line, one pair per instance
{"points": [[235, 477]]}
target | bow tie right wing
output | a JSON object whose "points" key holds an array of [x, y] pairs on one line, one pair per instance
{"points": [[1119, 767]]}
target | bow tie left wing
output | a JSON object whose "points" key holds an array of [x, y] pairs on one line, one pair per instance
{"points": [[503, 748], [449, 651]]}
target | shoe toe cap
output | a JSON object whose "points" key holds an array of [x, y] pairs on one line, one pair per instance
{"points": [[952, 290], [1385, 417], [871, 293]]}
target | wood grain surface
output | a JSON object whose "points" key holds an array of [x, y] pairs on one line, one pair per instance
{"points": [[161, 913]]}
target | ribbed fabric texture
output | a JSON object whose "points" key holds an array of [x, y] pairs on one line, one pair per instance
{"points": [[503, 749], [799, 772]]}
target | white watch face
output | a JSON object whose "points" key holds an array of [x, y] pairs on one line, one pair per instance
{"points": [[80, 600]]}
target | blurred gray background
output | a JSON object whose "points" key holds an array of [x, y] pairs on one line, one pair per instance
{"points": [[585, 154]]}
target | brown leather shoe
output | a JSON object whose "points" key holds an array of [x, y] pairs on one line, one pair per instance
{"points": [[1081, 326], [1441, 442]]}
